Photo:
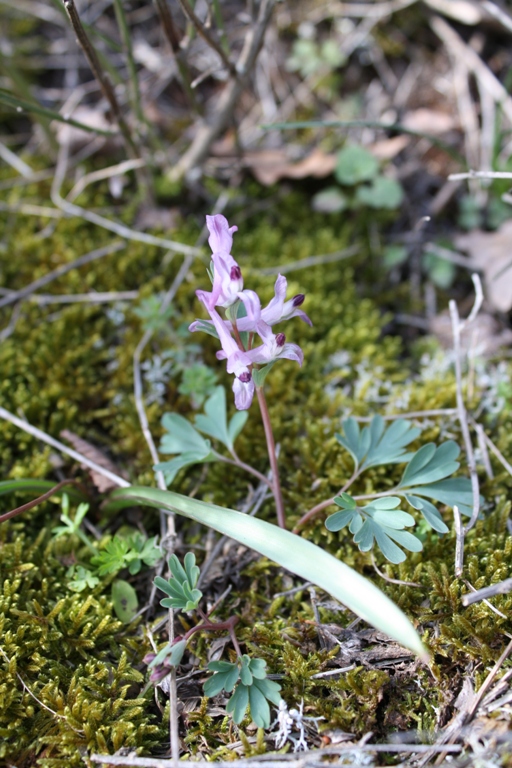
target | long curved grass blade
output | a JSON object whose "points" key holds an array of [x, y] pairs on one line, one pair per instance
{"points": [[293, 553]]}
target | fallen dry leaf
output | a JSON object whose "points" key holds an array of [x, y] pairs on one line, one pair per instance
{"points": [[431, 121], [102, 483], [387, 149], [491, 253], [271, 165]]}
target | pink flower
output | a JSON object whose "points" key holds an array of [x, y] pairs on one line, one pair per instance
{"points": [[278, 309], [227, 275], [237, 361]]}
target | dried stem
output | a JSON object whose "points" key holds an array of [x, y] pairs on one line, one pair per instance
{"points": [[40, 435], [206, 134], [101, 76], [209, 40], [98, 253], [457, 327], [169, 29]]}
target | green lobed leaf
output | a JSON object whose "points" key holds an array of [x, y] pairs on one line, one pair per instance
{"points": [[452, 491], [355, 164], [296, 554], [339, 520], [258, 668], [270, 689], [172, 467], [260, 710], [237, 705], [381, 193], [213, 421], [430, 464], [429, 512], [182, 437], [375, 444], [191, 569]]}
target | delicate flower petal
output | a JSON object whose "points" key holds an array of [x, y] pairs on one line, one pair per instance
{"points": [[237, 360], [273, 312], [244, 393], [221, 234], [276, 311]]}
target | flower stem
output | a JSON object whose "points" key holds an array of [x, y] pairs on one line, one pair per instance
{"points": [[324, 504], [271, 447]]}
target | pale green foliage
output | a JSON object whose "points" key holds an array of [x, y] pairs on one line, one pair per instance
{"points": [[362, 183], [427, 474], [183, 438], [253, 689], [183, 596]]}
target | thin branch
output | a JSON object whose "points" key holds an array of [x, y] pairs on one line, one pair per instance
{"points": [[100, 75], [457, 327], [84, 298], [169, 29], [459, 542], [488, 681], [246, 467], [502, 588], [104, 173], [480, 175], [40, 435], [35, 502], [389, 579], [41, 704], [206, 134], [478, 592], [70, 209], [209, 39]]}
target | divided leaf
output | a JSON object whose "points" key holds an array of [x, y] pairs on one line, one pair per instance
{"points": [[181, 586], [427, 474], [431, 464], [379, 522], [253, 689], [183, 439], [214, 420], [375, 444]]}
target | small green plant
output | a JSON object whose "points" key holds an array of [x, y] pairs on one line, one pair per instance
{"points": [[426, 476], [130, 551], [184, 439], [361, 183], [246, 679], [310, 57]]}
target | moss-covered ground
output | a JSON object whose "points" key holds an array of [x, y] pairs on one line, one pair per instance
{"points": [[72, 680]]}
